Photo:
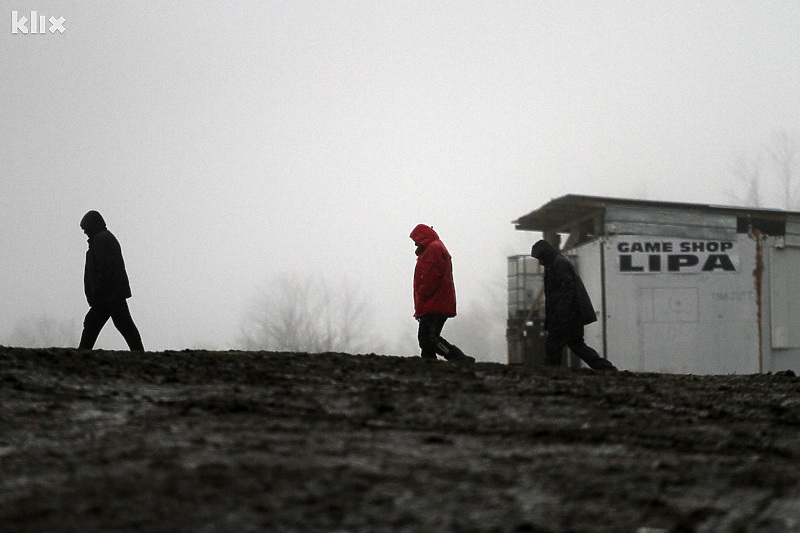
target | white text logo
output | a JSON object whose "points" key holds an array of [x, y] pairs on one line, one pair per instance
{"points": [[38, 23]]}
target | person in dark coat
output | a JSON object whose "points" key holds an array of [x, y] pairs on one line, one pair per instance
{"points": [[106, 285], [567, 309], [434, 295]]}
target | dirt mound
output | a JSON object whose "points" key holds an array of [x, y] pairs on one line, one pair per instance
{"points": [[235, 441]]}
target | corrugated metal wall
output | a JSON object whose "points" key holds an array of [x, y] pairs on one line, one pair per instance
{"points": [[622, 220]]}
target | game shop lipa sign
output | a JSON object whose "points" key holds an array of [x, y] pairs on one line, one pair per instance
{"points": [[647, 255]]}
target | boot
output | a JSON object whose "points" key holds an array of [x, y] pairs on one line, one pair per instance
{"points": [[457, 355]]}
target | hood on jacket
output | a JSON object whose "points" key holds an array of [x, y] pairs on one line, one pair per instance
{"points": [[423, 235], [92, 223], [544, 252]]}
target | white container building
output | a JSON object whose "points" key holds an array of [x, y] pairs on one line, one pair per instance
{"points": [[681, 288]]}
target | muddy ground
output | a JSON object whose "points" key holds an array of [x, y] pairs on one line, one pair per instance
{"points": [[233, 441]]}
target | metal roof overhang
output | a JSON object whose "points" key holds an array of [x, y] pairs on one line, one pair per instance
{"points": [[560, 214], [566, 212]]}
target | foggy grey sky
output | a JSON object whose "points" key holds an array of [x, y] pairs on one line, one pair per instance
{"points": [[227, 142]]}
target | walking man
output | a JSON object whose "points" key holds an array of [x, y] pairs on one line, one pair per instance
{"points": [[434, 295], [568, 309], [106, 285]]}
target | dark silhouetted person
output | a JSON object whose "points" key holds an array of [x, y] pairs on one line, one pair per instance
{"points": [[567, 309], [434, 295], [106, 285]]}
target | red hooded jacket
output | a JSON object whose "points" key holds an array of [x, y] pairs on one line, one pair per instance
{"points": [[434, 290]]}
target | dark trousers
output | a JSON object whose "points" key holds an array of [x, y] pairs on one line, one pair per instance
{"points": [[572, 337], [119, 313], [431, 341]]}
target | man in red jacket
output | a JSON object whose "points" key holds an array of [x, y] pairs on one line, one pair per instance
{"points": [[434, 295]]}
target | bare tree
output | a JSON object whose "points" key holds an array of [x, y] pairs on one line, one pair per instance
{"points": [[781, 177], [785, 155], [306, 315], [747, 171], [43, 331]]}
